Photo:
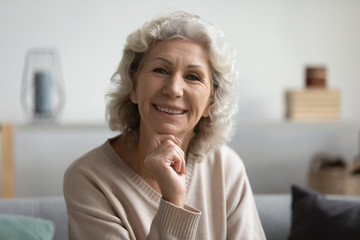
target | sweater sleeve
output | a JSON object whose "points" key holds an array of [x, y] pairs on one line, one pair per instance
{"points": [[243, 221], [172, 222]]}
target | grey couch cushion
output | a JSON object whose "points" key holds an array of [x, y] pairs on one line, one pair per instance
{"points": [[51, 208], [275, 214]]}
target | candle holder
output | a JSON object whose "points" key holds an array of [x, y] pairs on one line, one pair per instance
{"points": [[42, 88]]}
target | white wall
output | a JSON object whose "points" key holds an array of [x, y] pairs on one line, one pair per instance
{"points": [[274, 39]]}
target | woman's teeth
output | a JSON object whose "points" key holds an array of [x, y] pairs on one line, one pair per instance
{"points": [[170, 111]]}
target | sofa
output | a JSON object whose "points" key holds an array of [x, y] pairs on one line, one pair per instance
{"points": [[51, 208], [274, 211]]}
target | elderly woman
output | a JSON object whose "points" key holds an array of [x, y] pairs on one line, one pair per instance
{"points": [[169, 174]]}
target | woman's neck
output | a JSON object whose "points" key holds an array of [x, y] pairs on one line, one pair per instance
{"points": [[131, 154]]}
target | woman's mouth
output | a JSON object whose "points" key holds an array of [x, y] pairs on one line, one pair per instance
{"points": [[169, 110]]}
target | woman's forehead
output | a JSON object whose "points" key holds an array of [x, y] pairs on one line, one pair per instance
{"points": [[171, 51]]}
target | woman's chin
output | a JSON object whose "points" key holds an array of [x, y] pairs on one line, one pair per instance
{"points": [[171, 130], [167, 131]]}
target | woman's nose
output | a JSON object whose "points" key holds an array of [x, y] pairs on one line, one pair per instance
{"points": [[174, 86]]}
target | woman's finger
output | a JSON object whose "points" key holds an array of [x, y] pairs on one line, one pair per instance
{"points": [[180, 165], [159, 139]]}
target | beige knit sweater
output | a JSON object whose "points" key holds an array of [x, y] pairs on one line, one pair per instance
{"points": [[106, 199]]}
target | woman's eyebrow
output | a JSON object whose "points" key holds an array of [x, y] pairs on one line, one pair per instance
{"points": [[170, 63], [164, 60], [196, 66]]}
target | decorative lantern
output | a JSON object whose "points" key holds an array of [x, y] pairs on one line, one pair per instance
{"points": [[42, 88]]}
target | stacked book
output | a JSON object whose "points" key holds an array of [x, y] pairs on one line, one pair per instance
{"points": [[313, 104], [316, 101]]}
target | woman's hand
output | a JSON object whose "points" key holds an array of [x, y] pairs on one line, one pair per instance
{"points": [[166, 160]]}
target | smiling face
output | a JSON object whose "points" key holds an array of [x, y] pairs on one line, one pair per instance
{"points": [[173, 88]]}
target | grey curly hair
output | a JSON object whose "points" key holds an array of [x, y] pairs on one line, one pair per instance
{"points": [[210, 132]]}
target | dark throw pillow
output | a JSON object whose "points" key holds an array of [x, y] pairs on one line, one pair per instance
{"points": [[314, 216]]}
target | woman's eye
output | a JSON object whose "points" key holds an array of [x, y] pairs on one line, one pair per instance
{"points": [[193, 77], [160, 70]]}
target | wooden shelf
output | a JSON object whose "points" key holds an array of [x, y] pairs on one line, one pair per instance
{"points": [[61, 126], [7, 174]]}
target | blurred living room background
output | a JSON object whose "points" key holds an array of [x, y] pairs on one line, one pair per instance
{"points": [[276, 41]]}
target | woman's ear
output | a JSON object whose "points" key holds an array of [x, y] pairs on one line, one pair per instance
{"points": [[133, 96], [207, 110]]}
